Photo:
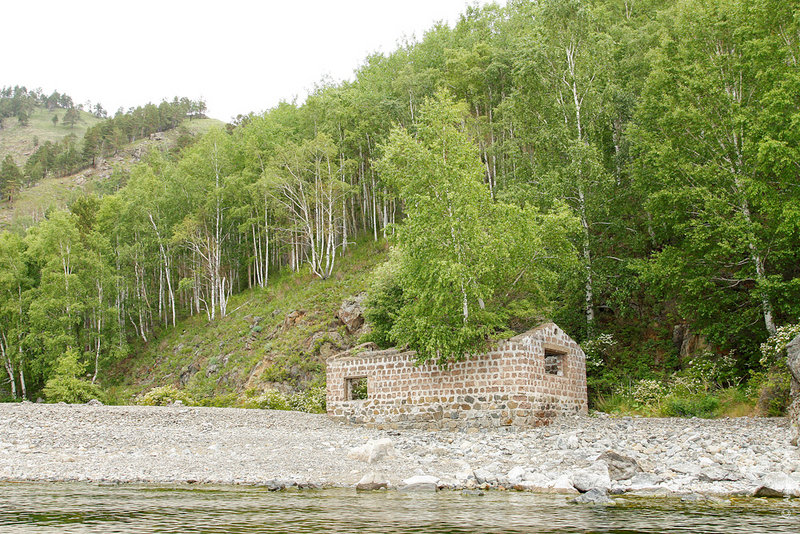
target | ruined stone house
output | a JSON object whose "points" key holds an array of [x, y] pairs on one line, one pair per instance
{"points": [[524, 381]]}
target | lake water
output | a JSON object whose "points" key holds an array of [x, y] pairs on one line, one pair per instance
{"points": [[72, 508]]}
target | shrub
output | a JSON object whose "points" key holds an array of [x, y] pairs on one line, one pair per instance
{"points": [[648, 391], [71, 390], [65, 386], [700, 405], [383, 303], [226, 400], [163, 396], [311, 400], [772, 349], [271, 399], [596, 349]]}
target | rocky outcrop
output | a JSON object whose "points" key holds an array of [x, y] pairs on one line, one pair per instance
{"points": [[688, 343], [793, 362], [351, 313]]}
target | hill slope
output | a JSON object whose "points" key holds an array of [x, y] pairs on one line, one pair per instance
{"points": [[57, 191], [18, 140], [274, 338]]}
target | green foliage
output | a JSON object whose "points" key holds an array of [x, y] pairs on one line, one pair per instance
{"points": [[773, 350], [772, 391], [700, 405], [271, 399], [227, 400], [311, 400], [66, 386], [384, 301], [163, 396], [10, 177], [465, 263], [71, 390]]}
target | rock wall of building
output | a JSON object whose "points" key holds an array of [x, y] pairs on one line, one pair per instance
{"points": [[505, 387]]}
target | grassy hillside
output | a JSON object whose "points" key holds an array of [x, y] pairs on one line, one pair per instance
{"points": [[56, 192], [18, 140], [273, 338]]}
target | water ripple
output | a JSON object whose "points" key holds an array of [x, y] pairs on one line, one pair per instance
{"points": [[85, 508]]}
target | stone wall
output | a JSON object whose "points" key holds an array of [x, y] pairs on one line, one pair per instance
{"points": [[793, 362], [505, 387]]}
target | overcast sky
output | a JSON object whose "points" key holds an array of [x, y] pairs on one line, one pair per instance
{"points": [[239, 56]]}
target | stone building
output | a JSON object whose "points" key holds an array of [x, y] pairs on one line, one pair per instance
{"points": [[525, 381]]}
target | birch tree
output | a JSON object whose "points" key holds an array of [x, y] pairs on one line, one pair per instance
{"points": [[702, 138], [305, 179], [463, 259]]}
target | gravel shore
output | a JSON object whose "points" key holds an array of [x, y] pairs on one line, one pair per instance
{"points": [[233, 446]]}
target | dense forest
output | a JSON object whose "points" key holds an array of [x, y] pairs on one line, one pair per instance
{"points": [[628, 168]]}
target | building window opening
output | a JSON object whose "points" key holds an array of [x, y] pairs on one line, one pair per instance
{"points": [[554, 362], [356, 388]]}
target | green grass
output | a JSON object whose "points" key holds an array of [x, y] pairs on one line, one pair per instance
{"points": [[240, 353]]}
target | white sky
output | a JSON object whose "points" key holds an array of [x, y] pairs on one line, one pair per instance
{"points": [[238, 55]]}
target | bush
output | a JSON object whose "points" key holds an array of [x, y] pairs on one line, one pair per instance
{"points": [[71, 390], [648, 391], [226, 400], [164, 396], [311, 400], [700, 405], [65, 386], [269, 400], [772, 350]]}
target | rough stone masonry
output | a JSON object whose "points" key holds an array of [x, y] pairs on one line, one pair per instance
{"points": [[525, 381]]}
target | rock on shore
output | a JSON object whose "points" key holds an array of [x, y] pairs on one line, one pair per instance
{"points": [[280, 449]]}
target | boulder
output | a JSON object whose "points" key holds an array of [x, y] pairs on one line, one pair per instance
{"points": [[777, 484], [485, 476], [645, 481], [372, 481], [594, 476], [793, 362], [715, 473], [539, 482], [94, 402], [351, 312], [420, 483], [516, 475], [563, 484], [620, 467], [372, 451], [593, 496]]}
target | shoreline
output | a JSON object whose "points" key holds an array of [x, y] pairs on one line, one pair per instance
{"points": [[192, 446]]}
